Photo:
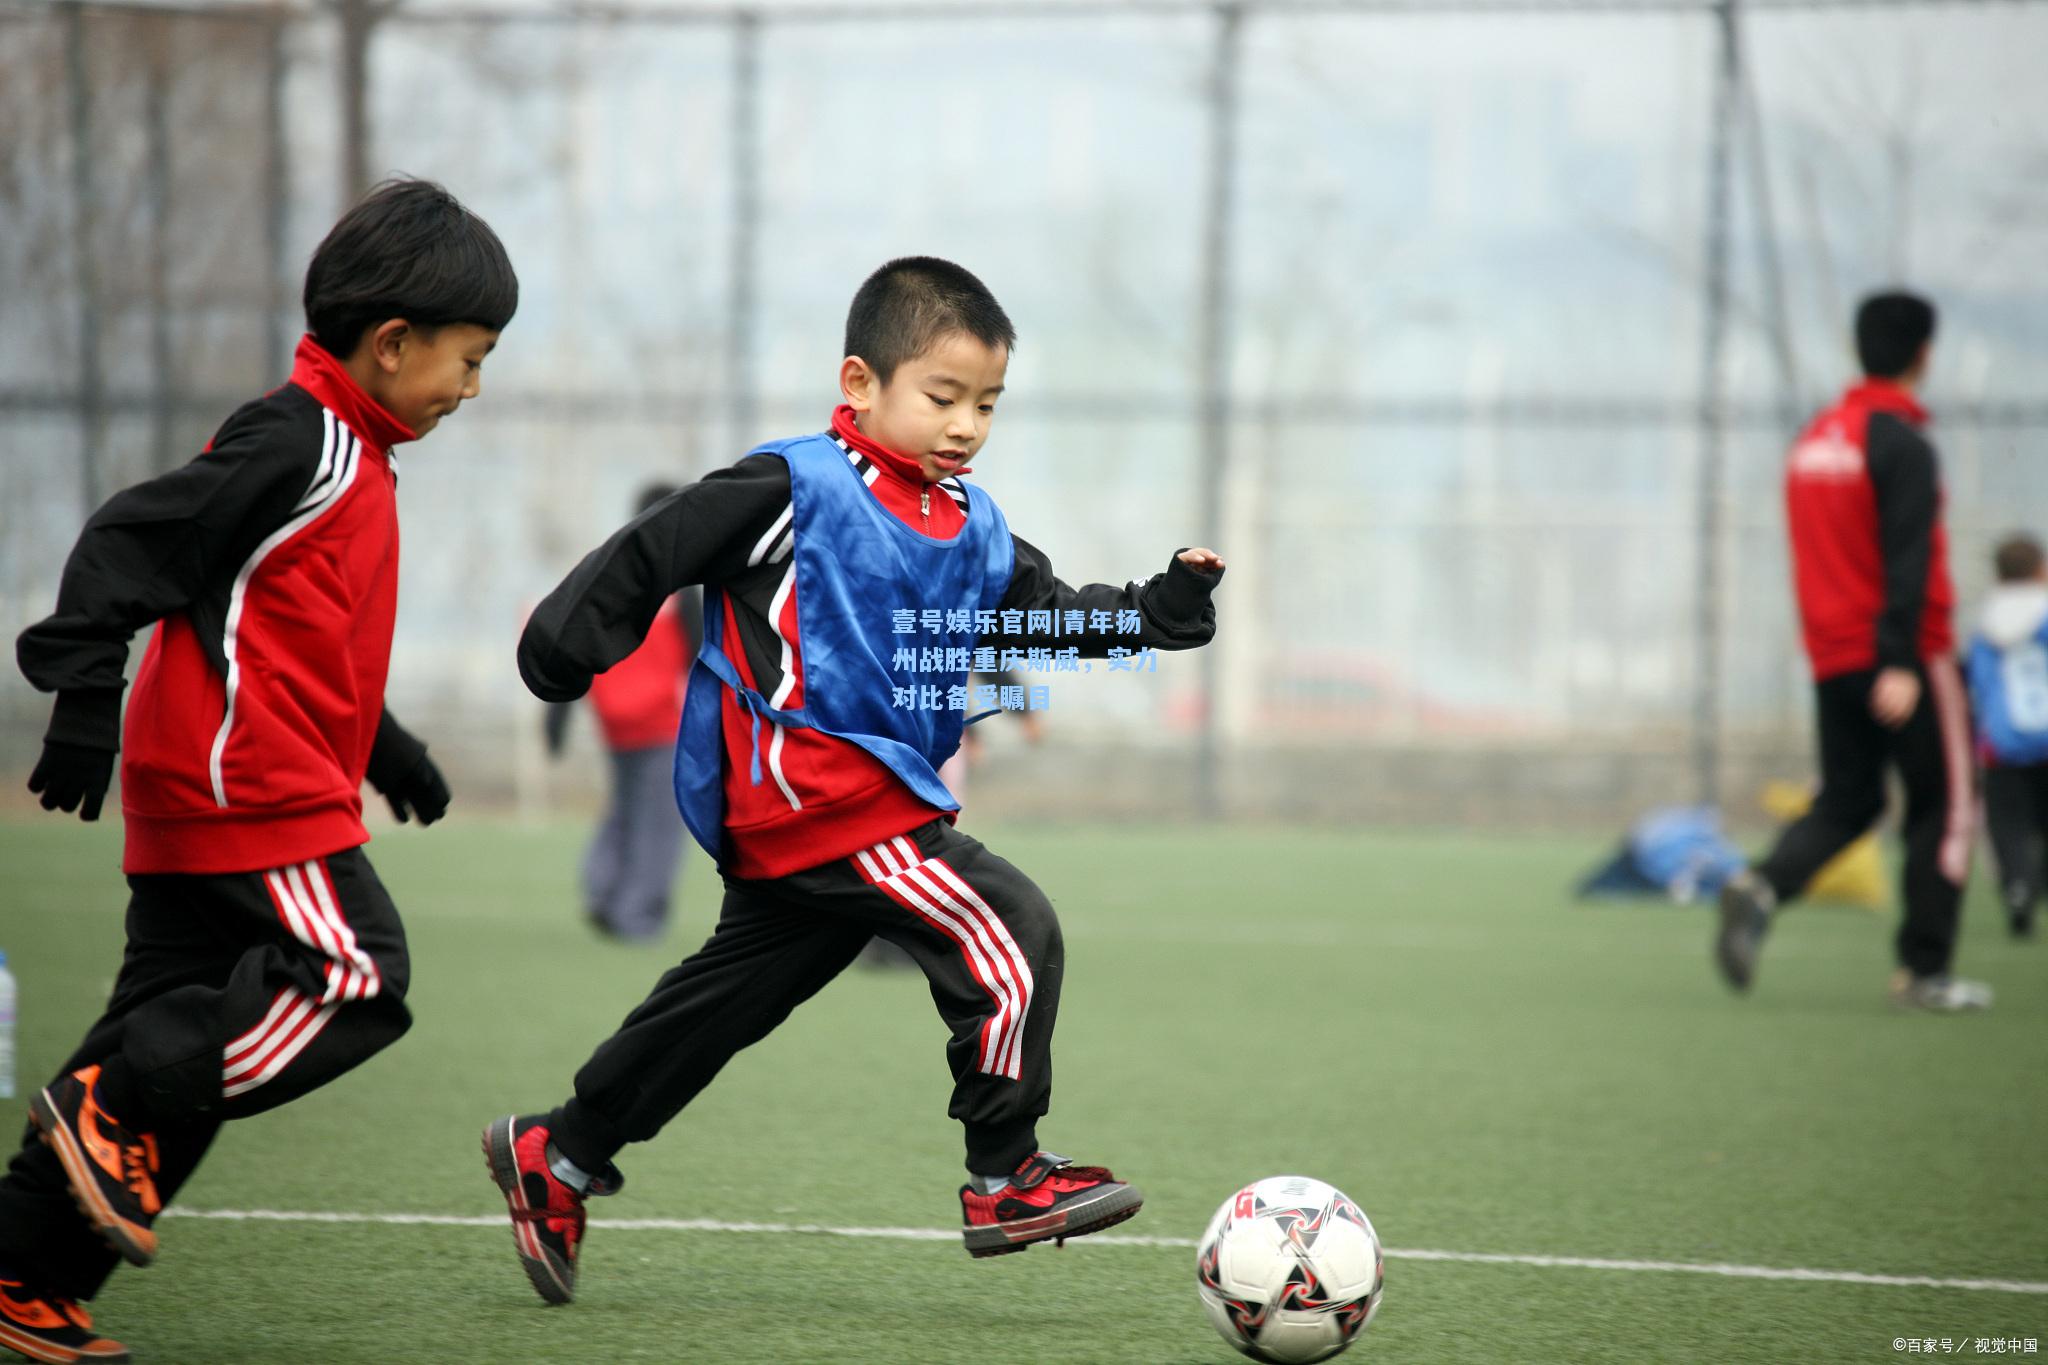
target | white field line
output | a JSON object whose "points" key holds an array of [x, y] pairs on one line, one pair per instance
{"points": [[1739, 1272]]}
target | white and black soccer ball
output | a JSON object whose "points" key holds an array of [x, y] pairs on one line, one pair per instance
{"points": [[1290, 1270]]}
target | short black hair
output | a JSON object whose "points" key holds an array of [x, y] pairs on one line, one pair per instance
{"points": [[907, 305], [408, 249], [2018, 558], [1890, 330]]}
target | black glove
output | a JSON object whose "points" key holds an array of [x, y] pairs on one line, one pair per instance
{"points": [[73, 777], [422, 792], [407, 778]]}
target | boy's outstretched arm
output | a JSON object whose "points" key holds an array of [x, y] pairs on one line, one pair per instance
{"points": [[600, 613], [1174, 608], [149, 552]]}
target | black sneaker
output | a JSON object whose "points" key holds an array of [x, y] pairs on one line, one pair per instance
{"points": [[547, 1215], [56, 1331], [1746, 905], [1048, 1199], [2021, 925], [110, 1168]]}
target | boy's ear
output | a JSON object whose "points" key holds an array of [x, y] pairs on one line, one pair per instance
{"points": [[387, 341], [857, 383]]}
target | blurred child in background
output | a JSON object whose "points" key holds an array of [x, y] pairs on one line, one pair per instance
{"points": [[2008, 669], [629, 870]]}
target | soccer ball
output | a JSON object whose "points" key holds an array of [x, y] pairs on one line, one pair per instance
{"points": [[1290, 1270]]}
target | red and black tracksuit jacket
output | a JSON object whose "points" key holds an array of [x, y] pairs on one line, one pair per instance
{"points": [[822, 798], [830, 848], [264, 957], [1870, 567], [1870, 556], [271, 561]]}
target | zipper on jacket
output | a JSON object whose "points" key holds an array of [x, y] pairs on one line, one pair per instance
{"points": [[924, 501]]}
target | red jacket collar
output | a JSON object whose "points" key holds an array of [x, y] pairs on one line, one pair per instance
{"points": [[315, 369], [1886, 396], [885, 459]]}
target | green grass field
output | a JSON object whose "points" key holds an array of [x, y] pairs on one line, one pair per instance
{"points": [[1426, 1021]]}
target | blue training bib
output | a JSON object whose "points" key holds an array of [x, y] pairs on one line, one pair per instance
{"points": [[2009, 694], [857, 567]]}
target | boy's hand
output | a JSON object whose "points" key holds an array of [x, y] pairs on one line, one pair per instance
{"points": [[400, 769], [1183, 595], [422, 791], [1894, 696], [73, 777]]}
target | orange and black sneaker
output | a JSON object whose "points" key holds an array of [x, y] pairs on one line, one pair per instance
{"points": [[547, 1213], [111, 1169], [1048, 1199], [54, 1330]]}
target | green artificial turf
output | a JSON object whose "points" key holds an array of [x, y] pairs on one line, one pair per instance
{"points": [[1427, 1021]]}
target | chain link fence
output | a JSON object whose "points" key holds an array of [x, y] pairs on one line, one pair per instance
{"points": [[1472, 334]]}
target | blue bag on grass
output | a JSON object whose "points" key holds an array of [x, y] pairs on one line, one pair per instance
{"points": [[1678, 851]]}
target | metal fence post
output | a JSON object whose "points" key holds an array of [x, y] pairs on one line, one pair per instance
{"points": [[1712, 423], [745, 144], [358, 19], [276, 193], [157, 181], [91, 379], [1777, 320], [1212, 378]]}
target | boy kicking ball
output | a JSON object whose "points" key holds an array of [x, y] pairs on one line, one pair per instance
{"points": [[808, 756]]}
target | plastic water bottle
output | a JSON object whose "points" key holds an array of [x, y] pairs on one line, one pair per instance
{"points": [[6, 1030]]}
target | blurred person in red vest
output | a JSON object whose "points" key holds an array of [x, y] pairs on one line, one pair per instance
{"points": [[629, 870], [1863, 505]]}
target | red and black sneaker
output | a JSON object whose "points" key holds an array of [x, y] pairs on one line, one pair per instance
{"points": [[1048, 1199], [547, 1215], [57, 1331], [110, 1168]]}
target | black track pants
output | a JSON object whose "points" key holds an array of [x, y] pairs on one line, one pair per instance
{"points": [[1932, 755], [236, 994], [983, 933], [2016, 810]]}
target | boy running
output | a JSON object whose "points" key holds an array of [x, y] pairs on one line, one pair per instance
{"points": [[808, 769], [264, 959]]}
